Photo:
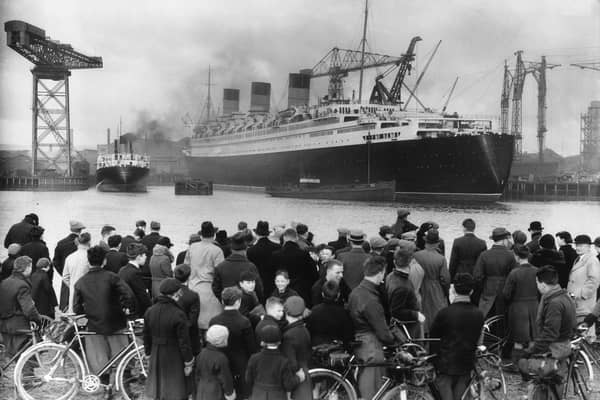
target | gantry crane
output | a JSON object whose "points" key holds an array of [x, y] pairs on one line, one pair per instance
{"points": [[51, 126], [595, 65]]}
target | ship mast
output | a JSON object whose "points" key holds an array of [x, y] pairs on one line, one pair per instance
{"points": [[208, 97], [362, 54]]}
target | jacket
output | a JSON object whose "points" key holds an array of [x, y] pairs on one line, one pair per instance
{"points": [[534, 243], [583, 283], [115, 260], [402, 226], [339, 244], [329, 321], [296, 346], [42, 293], [521, 294], [132, 276], [18, 233], [213, 375], [353, 261], [435, 283], [555, 321], [464, 254], [228, 273], [261, 255], [491, 270], [102, 296], [167, 342], [459, 327], [76, 266], [366, 311], [401, 296], [270, 375], [35, 249], [317, 292], [150, 240], [569, 255], [16, 304], [64, 247], [267, 320], [301, 269], [554, 258], [160, 267], [190, 303]]}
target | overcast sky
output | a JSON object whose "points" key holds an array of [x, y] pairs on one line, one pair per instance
{"points": [[156, 56]]}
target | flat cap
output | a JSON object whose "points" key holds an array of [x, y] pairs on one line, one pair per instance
{"points": [[377, 242], [294, 306], [269, 334], [432, 236], [76, 225], [169, 286], [217, 335], [154, 225], [500, 233], [403, 212]]}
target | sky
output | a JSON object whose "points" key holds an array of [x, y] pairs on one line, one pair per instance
{"points": [[156, 56]]}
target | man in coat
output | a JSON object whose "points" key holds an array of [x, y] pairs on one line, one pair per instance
{"points": [[167, 343], [466, 250], [491, 269], [261, 255], [334, 271], [132, 276], [115, 259], [228, 272], [160, 264], [36, 248], [301, 267], [547, 254], [102, 296], [535, 230], [342, 240], [190, 303], [17, 308], [329, 320], [19, 232], [76, 265], [63, 249], [584, 280], [42, 292], [402, 224], [354, 259], [565, 247]]}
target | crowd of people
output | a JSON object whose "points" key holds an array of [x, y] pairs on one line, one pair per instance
{"points": [[236, 316]]}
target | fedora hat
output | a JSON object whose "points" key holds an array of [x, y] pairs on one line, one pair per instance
{"points": [[500, 233]]}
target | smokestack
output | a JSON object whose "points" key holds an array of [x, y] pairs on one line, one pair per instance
{"points": [[108, 139], [299, 88], [231, 101], [260, 97]]}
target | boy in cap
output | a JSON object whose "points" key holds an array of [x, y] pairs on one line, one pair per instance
{"points": [[270, 373], [132, 276], [213, 375], [273, 316], [250, 307], [42, 291], [296, 345], [190, 302]]}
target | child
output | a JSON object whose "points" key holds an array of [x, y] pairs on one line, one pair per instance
{"points": [[269, 372], [250, 306], [213, 376], [273, 316], [282, 281]]}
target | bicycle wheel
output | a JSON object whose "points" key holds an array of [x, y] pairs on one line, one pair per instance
{"points": [[410, 393], [132, 374], [330, 385], [42, 373], [488, 381], [581, 386], [494, 334], [583, 363]]}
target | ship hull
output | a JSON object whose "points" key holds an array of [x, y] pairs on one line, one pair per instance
{"points": [[457, 168], [122, 179]]}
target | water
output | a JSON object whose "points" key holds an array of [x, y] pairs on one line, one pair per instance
{"points": [[182, 215]]}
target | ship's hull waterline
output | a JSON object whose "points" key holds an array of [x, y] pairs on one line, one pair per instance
{"points": [[122, 179], [454, 168]]}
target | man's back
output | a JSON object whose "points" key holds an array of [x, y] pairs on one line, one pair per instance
{"points": [[228, 272], [301, 268], [64, 247], [353, 261], [240, 343], [464, 254], [261, 254], [202, 258], [115, 260], [133, 278], [16, 304], [18, 233]]}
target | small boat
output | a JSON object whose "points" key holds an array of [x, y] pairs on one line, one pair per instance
{"points": [[193, 187], [310, 188]]}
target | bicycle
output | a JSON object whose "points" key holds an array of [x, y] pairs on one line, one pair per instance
{"points": [[487, 378], [494, 335], [62, 371], [35, 336]]}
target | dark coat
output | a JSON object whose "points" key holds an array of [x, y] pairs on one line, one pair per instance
{"points": [[283, 296], [7, 266], [534, 243], [491, 270], [296, 346], [271, 376], [16, 304], [459, 327], [555, 321], [554, 258], [18, 233], [521, 294], [570, 255], [180, 259], [353, 261], [367, 313], [267, 320], [42, 293], [115, 260], [35, 250], [339, 244], [464, 254], [261, 255], [317, 292], [436, 283], [167, 342], [401, 226], [102, 296], [301, 269], [329, 321], [401, 297], [64, 247], [190, 303], [126, 241], [213, 375], [228, 273], [240, 345], [150, 240], [134, 279]]}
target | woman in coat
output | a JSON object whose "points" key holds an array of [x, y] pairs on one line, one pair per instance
{"points": [[436, 281], [160, 264], [167, 342]]}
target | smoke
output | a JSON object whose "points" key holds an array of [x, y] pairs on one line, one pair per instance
{"points": [[157, 129]]}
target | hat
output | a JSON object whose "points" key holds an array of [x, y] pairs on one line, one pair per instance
{"points": [[36, 231], [356, 235], [140, 222], [301, 229], [519, 237], [262, 228], [597, 241], [403, 212], [294, 306], [165, 241], [194, 237], [217, 335], [242, 225], [521, 250], [135, 249], [207, 229], [238, 242], [13, 249], [32, 218], [169, 286], [343, 231], [42, 263], [269, 334], [377, 242], [547, 242], [499, 233], [583, 239], [432, 236], [410, 235], [21, 264], [76, 225], [433, 225], [535, 226], [155, 225], [385, 229]]}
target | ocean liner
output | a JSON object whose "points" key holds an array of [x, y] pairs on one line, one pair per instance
{"points": [[122, 172]]}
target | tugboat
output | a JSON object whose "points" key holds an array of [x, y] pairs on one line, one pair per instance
{"points": [[122, 172]]}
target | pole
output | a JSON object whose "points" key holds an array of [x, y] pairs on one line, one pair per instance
{"points": [[208, 98], [421, 76], [34, 144], [362, 55], [68, 122]]}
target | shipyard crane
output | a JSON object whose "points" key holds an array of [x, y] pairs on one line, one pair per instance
{"points": [[505, 99], [588, 65], [51, 126]]}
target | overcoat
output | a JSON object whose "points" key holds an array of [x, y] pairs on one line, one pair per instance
{"points": [[491, 269], [521, 294], [261, 255], [300, 267], [271, 376], [35, 250], [18, 233], [554, 258], [167, 342], [435, 283], [583, 283], [353, 261], [570, 255], [190, 303], [213, 376], [160, 267], [43, 293], [228, 272], [296, 346], [464, 253]]}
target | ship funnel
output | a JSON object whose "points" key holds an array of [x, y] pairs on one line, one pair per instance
{"points": [[231, 101], [299, 88], [260, 97]]}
